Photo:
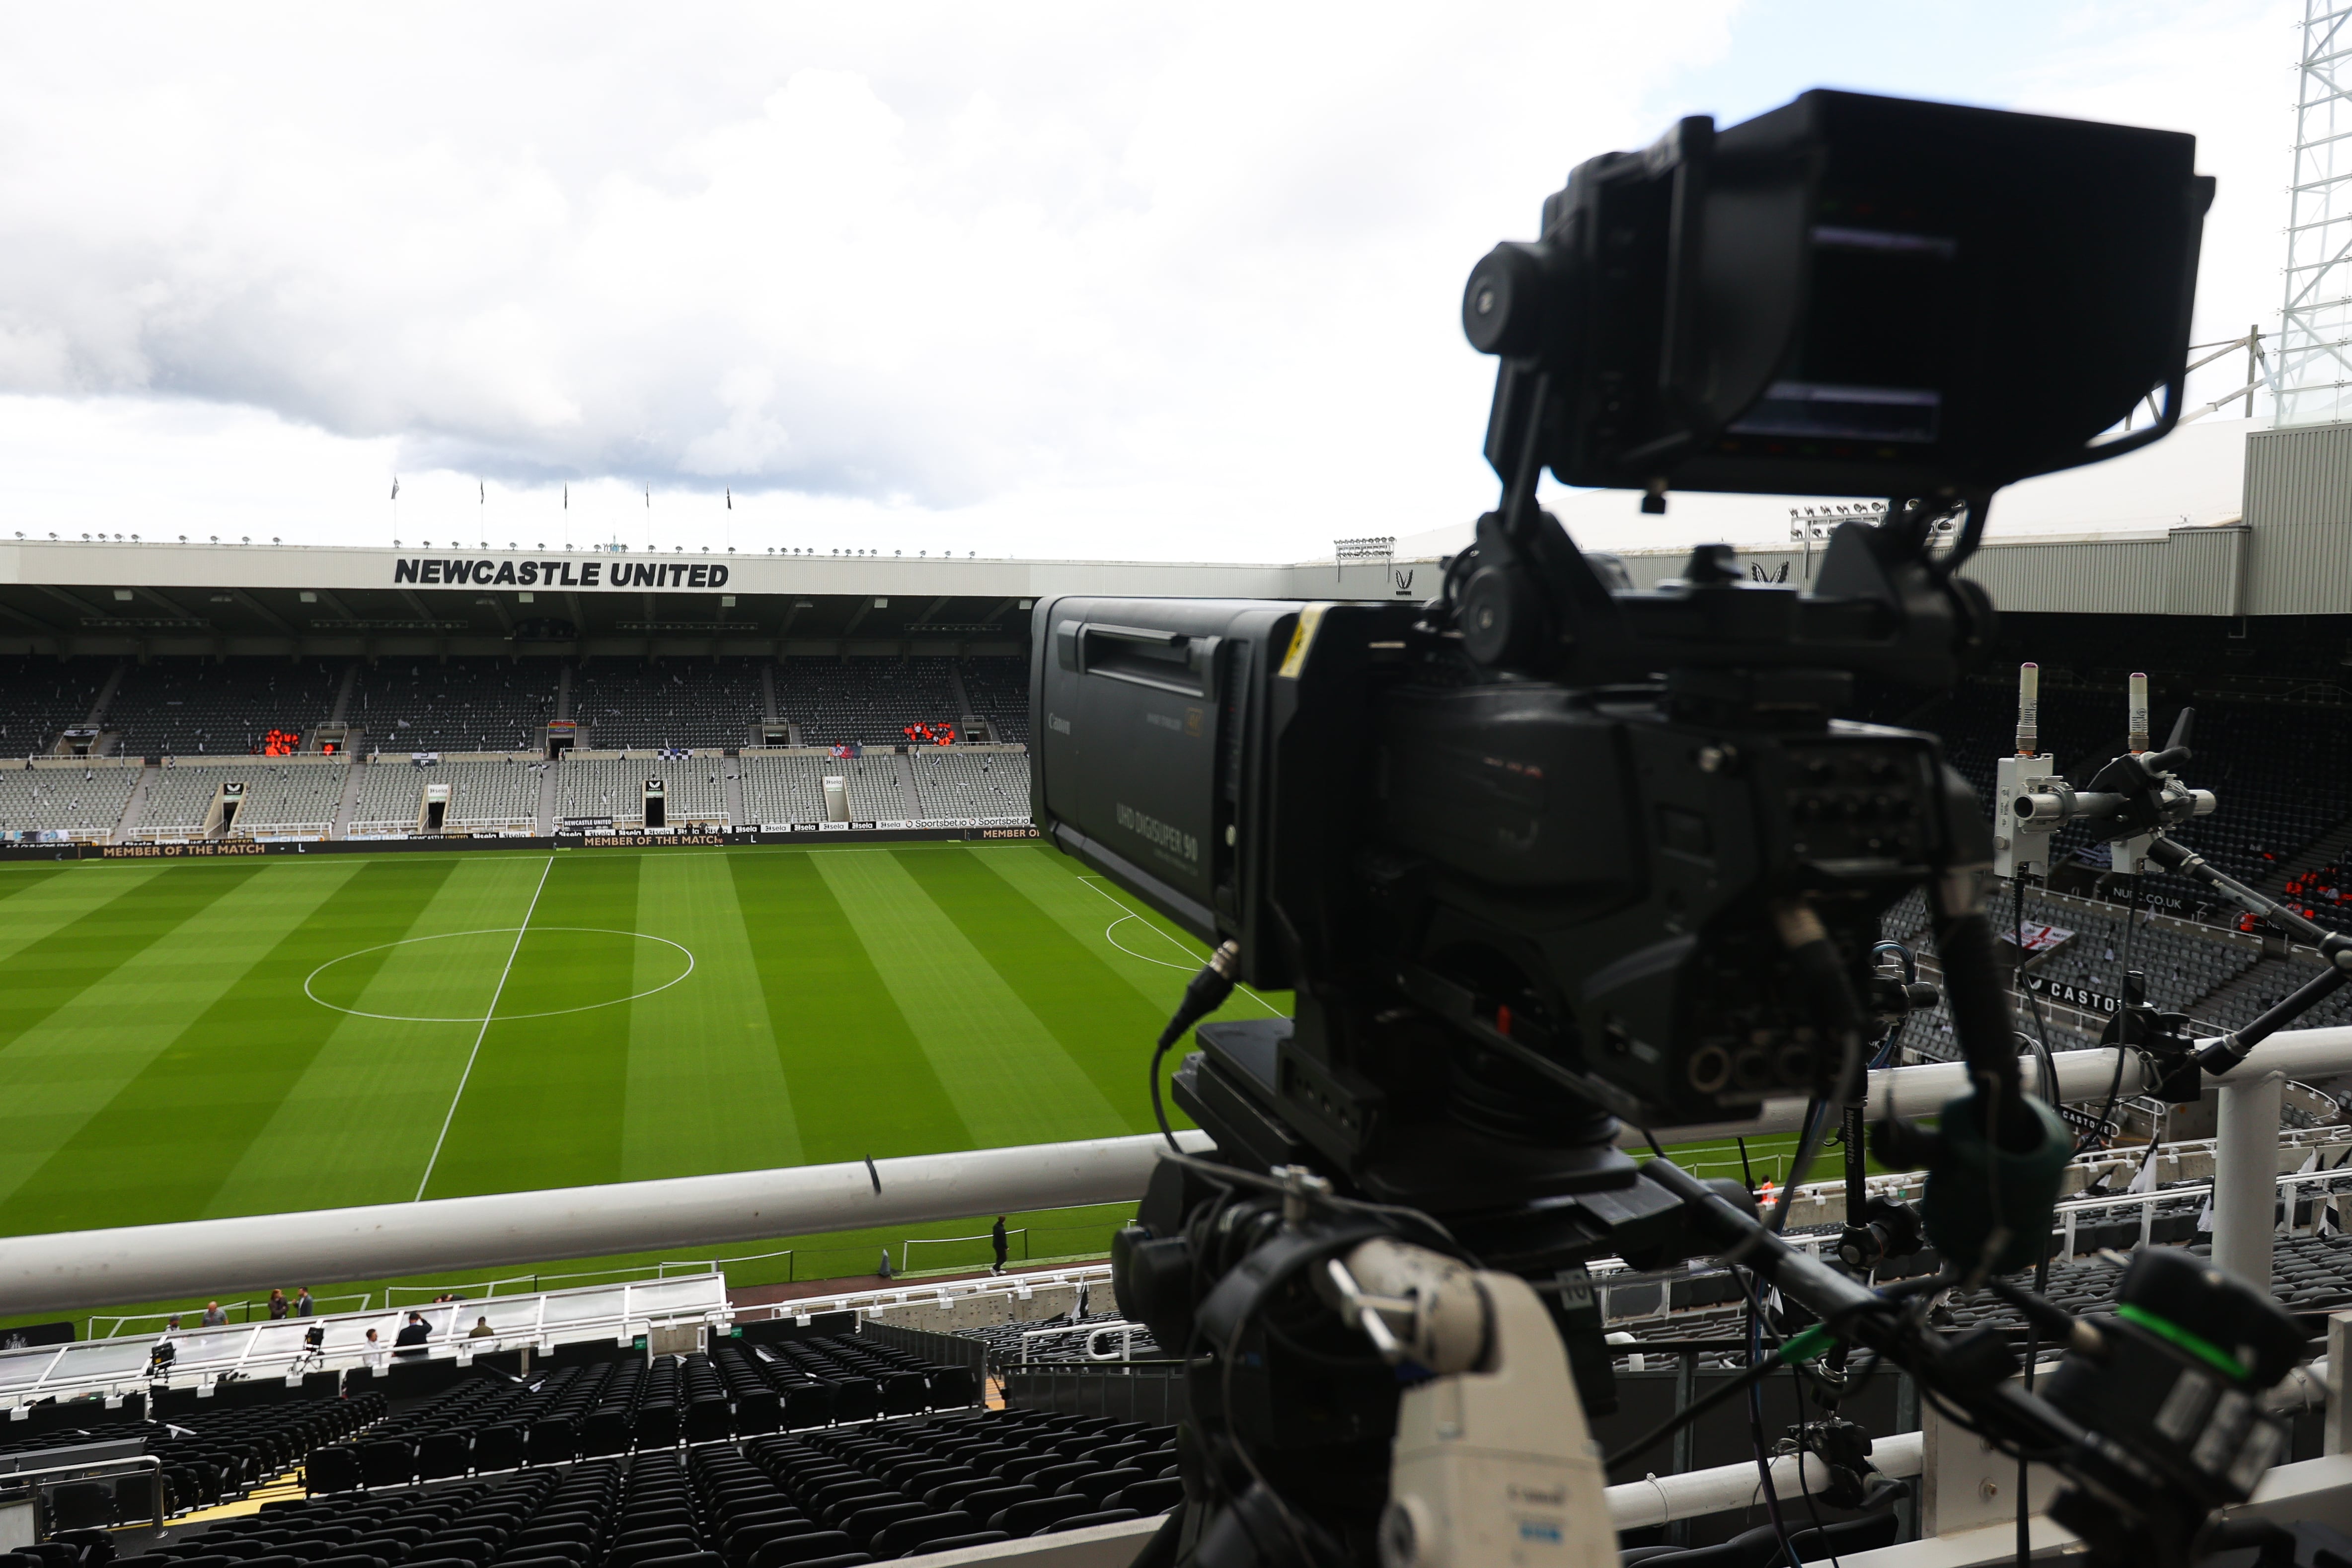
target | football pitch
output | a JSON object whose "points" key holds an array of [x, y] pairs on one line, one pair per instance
{"points": [[183, 1039]]}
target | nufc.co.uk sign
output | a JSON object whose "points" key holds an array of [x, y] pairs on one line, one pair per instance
{"points": [[488, 571]]}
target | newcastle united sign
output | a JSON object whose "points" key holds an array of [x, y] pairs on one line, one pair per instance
{"points": [[508, 571]]}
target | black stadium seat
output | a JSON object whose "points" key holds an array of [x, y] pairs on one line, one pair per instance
{"points": [[81, 1505], [332, 1469], [387, 1463], [1029, 1518], [1156, 1495], [799, 1550], [906, 1535], [1088, 1520], [444, 1454]]}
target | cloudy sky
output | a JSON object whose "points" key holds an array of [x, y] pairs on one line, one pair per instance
{"points": [[1040, 279]]}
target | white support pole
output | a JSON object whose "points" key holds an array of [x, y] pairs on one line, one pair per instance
{"points": [[2336, 1436], [2245, 1178]]}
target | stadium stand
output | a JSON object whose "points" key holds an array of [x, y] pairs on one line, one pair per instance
{"points": [[634, 702], [591, 785], [40, 696], [957, 784], [876, 793], [845, 1495], [75, 799], [696, 787], [179, 798], [283, 795], [2186, 970], [488, 792], [208, 1458], [455, 704], [390, 796], [998, 686], [201, 708], [866, 701], [289, 795], [784, 788]]}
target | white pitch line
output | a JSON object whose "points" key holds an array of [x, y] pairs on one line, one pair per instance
{"points": [[1179, 947], [480, 1033]]}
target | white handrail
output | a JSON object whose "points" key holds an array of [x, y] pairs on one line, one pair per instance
{"points": [[158, 1262]]}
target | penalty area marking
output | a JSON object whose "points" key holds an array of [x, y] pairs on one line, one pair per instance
{"points": [[515, 931], [1137, 915], [1131, 952]]}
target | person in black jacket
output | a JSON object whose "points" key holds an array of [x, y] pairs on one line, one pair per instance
{"points": [[412, 1337], [996, 1239]]}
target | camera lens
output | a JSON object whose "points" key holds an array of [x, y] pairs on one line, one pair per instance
{"points": [[1795, 1064], [1751, 1069], [1710, 1069]]}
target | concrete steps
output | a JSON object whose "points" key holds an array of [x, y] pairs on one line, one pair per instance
{"points": [[138, 802], [340, 828]]}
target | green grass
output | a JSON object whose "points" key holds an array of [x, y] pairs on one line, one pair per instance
{"points": [[191, 1039]]}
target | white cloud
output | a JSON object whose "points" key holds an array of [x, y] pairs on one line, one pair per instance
{"points": [[1045, 279]]}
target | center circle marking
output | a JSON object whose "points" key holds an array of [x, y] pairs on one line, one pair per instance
{"points": [[495, 931]]}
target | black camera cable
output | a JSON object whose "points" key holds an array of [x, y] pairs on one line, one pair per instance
{"points": [[1821, 971], [2123, 1040], [1204, 993]]}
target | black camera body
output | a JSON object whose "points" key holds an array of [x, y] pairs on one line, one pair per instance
{"points": [[1574, 881]]}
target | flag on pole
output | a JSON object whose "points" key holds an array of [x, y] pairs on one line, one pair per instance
{"points": [[567, 498], [730, 498], [396, 487], [484, 499]]}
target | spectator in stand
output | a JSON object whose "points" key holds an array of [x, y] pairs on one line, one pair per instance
{"points": [[412, 1337], [303, 1305], [214, 1317], [278, 1305], [481, 1329], [996, 1240]]}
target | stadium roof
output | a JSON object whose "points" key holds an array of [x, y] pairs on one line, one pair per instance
{"points": [[109, 597], [2159, 538]]}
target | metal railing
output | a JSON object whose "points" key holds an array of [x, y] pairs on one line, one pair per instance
{"points": [[281, 1347], [43, 1478], [1088, 1336], [945, 1294]]}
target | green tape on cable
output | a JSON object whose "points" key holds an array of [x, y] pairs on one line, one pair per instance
{"points": [[1813, 1343]]}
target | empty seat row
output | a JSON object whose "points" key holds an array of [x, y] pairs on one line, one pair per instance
{"points": [[492, 1423]]}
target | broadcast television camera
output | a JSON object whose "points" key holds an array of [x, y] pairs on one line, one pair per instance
{"points": [[1549, 852]]}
